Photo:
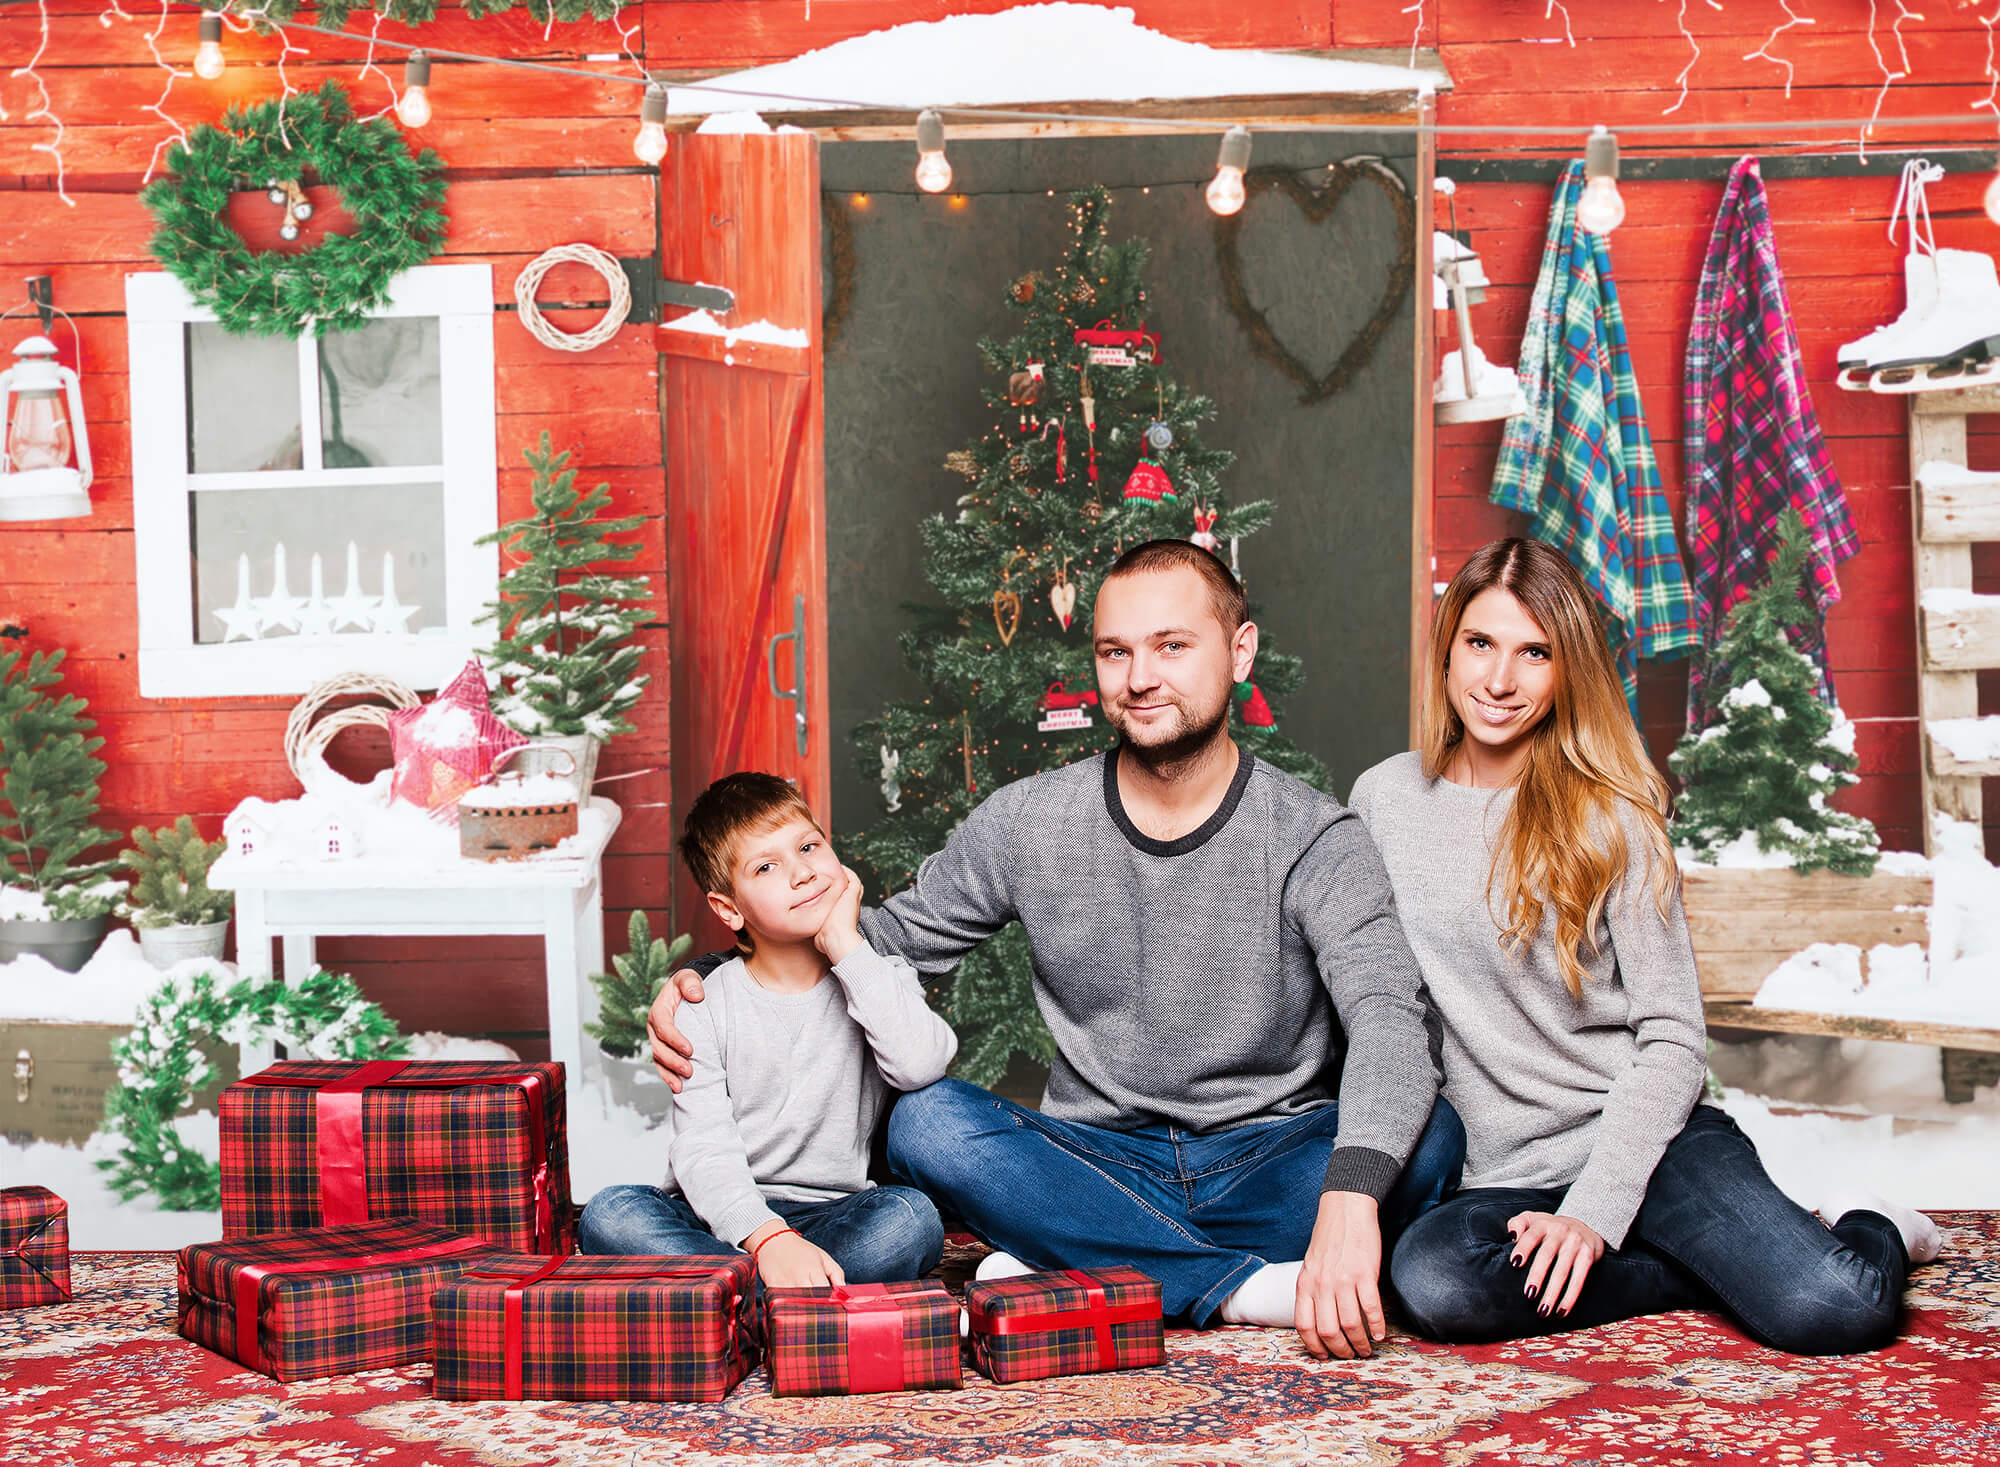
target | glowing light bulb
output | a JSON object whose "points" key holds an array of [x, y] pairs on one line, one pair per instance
{"points": [[933, 168], [650, 146], [1225, 190], [208, 58], [414, 106], [1600, 210], [1993, 199]]}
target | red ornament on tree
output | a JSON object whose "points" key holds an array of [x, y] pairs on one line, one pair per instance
{"points": [[1149, 481], [448, 745], [1256, 712]]}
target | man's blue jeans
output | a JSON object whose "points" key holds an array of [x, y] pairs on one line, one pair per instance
{"points": [[1713, 1233], [879, 1235], [1200, 1213]]}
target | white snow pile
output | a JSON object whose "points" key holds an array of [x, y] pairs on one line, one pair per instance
{"points": [[1029, 54], [22, 904], [1491, 378], [734, 122], [388, 835], [702, 323], [1970, 740], [519, 794], [1957, 982], [106, 990]]}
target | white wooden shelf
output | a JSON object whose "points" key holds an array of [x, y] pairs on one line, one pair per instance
{"points": [[1943, 733], [1956, 504]]}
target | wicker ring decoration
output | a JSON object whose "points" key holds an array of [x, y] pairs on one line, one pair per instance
{"points": [[306, 740], [530, 280]]}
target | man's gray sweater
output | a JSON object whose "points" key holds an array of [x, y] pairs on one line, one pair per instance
{"points": [[1186, 982]]}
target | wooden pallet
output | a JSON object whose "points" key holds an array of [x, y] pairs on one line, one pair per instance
{"points": [[1952, 508]]}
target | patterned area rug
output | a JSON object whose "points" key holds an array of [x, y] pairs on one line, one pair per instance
{"points": [[106, 1380]]}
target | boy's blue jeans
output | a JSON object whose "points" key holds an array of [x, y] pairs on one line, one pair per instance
{"points": [[878, 1236], [1200, 1213], [1714, 1232]]}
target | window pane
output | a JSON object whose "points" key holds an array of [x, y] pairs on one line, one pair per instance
{"points": [[379, 403], [243, 401], [254, 551]]}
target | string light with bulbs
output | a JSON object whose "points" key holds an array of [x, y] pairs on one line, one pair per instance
{"points": [[1600, 210], [209, 62], [933, 168], [413, 108], [650, 146], [1225, 192]]}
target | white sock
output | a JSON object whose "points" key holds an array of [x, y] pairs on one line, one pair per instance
{"points": [[1268, 1297], [1001, 1266], [1921, 1239]]}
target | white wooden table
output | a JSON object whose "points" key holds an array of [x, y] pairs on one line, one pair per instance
{"points": [[389, 894]]}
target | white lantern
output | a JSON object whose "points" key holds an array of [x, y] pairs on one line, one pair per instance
{"points": [[45, 468]]}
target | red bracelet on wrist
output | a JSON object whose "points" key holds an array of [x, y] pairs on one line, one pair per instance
{"points": [[767, 1238]]}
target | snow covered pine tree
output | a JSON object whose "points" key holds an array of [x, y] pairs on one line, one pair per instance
{"points": [[1007, 660], [1758, 775]]}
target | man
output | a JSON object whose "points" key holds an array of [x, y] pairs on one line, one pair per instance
{"points": [[1191, 912]]}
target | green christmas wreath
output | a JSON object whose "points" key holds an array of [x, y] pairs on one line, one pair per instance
{"points": [[393, 195], [161, 1064]]}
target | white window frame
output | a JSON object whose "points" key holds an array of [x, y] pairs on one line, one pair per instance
{"points": [[172, 664]]}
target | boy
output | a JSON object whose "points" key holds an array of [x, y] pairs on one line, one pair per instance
{"points": [[803, 1035]]}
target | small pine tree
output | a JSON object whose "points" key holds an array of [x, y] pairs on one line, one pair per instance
{"points": [[565, 661], [624, 997], [48, 790], [1771, 753], [1046, 515], [172, 865]]}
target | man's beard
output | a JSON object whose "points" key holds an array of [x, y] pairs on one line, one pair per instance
{"points": [[1190, 739]]}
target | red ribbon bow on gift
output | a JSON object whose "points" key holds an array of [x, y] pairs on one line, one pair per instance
{"points": [[1097, 1316], [515, 1332], [343, 1159]]}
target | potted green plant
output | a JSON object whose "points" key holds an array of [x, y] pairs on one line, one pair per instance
{"points": [[53, 902], [177, 916], [565, 667], [623, 999]]}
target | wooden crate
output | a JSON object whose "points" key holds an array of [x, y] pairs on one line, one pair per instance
{"points": [[1746, 923]]}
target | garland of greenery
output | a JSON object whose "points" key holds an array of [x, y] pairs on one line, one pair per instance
{"points": [[393, 196], [1317, 204], [161, 1064], [332, 14]]}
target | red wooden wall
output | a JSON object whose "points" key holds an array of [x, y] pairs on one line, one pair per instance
{"points": [[538, 159]]}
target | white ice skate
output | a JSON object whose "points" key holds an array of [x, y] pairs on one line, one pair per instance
{"points": [[1949, 333]]}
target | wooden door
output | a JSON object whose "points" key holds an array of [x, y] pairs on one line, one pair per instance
{"points": [[746, 474]]}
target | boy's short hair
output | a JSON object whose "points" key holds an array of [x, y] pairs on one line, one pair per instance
{"points": [[734, 806], [1225, 592]]}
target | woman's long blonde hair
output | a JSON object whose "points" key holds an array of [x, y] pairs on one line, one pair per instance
{"points": [[1561, 845]]}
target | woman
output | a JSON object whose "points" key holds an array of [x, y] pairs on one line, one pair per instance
{"points": [[1527, 845]]}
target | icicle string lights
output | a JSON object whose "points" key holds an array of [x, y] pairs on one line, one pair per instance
{"points": [[1693, 45], [44, 111], [159, 106], [1764, 52]]}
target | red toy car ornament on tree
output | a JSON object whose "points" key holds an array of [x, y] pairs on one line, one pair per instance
{"points": [[1110, 346]]}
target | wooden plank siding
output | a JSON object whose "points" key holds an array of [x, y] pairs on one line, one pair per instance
{"points": [[537, 159]]}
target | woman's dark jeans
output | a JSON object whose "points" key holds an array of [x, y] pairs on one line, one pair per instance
{"points": [[1714, 1232]]}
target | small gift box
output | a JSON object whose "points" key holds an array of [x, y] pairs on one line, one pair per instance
{"points": [[480, 1147], [1072, 1322], [524, 1327], [325, 1301], [34, 1248], [854, 1339]]}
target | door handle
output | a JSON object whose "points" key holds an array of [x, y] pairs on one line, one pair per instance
{"points": [[797, 692]]}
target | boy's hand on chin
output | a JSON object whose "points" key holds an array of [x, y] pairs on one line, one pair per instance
{"points": [[790, 1262], [840, 933]]}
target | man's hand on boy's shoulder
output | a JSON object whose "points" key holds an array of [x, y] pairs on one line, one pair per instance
{"points": [[673, 1055], [840, 934], [788, 1261]]}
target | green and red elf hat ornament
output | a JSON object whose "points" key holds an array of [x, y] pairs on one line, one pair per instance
{"points": [[1256, 713]]}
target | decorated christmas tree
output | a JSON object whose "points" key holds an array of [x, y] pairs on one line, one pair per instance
{"points": [[1093, 447], [565, 662], [48, 793], [1769, 755]]}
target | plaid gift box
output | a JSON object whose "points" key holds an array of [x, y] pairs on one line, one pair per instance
{"points": [[853, 1339], [479, 1147], [326, 1301], [523, 1327], [34, 1247], [1071, 1322]]}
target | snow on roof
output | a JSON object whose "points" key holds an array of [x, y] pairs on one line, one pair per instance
{"points": [[1032, 53]]}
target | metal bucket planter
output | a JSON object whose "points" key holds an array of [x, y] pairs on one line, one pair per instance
{"points": [[166, 946], [68, 945], [569, 756], [636, 1085]]}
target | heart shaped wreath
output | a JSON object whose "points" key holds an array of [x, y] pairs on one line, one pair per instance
{"points": [[392, 194]]}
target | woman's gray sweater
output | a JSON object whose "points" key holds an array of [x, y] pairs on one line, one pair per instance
{"points": [[1555, 1092]]}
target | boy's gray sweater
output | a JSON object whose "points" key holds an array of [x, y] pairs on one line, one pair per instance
{"points": [[1186, 982]]}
